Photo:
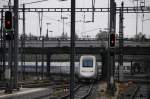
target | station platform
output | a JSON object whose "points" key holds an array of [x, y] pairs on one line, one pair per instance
{"points": [[26, 93]]}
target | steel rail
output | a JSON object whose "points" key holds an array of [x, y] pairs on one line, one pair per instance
{"points": [[83, 90]]}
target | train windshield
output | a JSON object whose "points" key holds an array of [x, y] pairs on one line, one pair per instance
{"points": [[87, 63]]}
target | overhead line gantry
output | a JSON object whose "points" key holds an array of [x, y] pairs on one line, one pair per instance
{"points": [[125, 10]]}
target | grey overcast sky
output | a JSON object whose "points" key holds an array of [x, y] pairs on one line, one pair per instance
{"points": [[82, 29]]}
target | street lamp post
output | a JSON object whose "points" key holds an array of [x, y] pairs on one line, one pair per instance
{"points": [[63, 18], [47, 28]]}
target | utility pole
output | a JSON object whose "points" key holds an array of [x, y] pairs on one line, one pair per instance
{"points": [[142, 5], [137, 20], [48, 71], [120, 67], [24, 33], [3, 43], [16, 4], [42, 41], [1, 54], [36, 67], [93, 7], [72, 53], [108, 14], [22, 47], [42, 70]]}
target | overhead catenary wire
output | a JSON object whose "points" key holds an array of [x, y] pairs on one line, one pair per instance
{"points": [[35, 2], [5, 0], [91, 30]]}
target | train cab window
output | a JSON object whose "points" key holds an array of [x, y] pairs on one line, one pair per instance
{"points": [[128, 67], [87, 63]]}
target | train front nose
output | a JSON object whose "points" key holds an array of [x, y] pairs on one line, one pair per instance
{"points": [[87, 74]]}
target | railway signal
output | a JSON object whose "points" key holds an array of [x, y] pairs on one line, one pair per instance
{"points": [[8, 25], [112, 40], [8, 20]]}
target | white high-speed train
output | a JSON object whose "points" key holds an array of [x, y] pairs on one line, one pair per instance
{"points": [[87, 67]]}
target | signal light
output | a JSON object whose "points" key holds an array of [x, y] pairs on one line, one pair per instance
{"points": [[8, 20], [9, 36], [112, 40]]}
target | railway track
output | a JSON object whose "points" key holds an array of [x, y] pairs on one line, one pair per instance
{"points": [[141, 93], [81, 92], [142, 90], [57, 89], [35, 84]]}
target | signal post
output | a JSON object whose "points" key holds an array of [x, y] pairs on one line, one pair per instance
{"points": [[9, 37], [111, 49]]}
